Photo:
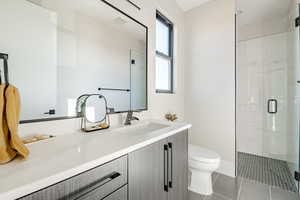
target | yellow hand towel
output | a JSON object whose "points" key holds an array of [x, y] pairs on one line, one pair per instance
{"points": [[10, 142]]}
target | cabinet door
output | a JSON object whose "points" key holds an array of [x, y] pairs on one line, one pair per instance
{"points": [[146, 173], [178, 170]]}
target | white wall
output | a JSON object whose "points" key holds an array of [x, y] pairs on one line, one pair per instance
{"points": [[159, 104], [263, 28], [210, 82]]}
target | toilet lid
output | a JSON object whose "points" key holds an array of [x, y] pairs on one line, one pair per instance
{"points": [[202, 155]]}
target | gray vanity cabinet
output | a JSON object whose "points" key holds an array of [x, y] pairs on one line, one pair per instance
{"points": [[160, 171]]}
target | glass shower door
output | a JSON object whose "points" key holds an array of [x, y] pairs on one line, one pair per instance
{"points": [[268, 99], [293, 95]]}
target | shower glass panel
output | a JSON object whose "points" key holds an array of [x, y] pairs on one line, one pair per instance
{"points": [[274, 94], [268, 95], [293, 93]]}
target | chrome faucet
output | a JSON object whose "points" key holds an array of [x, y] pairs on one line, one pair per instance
{"points": [[130, 118]]}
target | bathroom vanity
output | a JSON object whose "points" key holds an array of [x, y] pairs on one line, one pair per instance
{"points": [[93, 49], [146, 161]]}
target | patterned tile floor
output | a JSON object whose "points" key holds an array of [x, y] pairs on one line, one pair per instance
{"points": [[266, 170]]}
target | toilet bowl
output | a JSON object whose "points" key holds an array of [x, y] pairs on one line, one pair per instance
{"points": [[202, 163]]}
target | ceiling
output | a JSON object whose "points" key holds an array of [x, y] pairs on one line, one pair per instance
{"points": [[189, 4], [252, 11]]}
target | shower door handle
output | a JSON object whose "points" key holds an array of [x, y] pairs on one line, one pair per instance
{"points": [[272, 106]]}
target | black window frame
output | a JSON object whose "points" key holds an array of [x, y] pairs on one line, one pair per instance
{"points": [[160, 17]]}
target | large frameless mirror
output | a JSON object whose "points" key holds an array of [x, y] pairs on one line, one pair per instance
{"points": [[61, 49]]}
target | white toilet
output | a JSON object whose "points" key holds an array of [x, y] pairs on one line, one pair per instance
{"points": [[202, 163]]}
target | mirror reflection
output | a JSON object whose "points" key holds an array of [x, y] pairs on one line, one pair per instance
{"points": [[61, 49], [95, 109]]}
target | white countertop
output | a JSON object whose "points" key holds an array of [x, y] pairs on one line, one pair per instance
{"points": [[64, 156]]}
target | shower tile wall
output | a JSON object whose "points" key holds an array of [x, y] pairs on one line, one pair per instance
{"points": [[262, 75]]}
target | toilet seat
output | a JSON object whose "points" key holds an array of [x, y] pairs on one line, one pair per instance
{"points": [[203, 155]]}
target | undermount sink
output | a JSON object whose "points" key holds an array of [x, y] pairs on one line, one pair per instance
{"points": [[142, 128]]}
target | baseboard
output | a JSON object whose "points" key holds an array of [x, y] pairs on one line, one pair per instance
{"points": [[227, 168]]}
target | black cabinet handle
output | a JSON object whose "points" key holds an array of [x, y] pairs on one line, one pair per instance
{"points": [[94, 186], [166, 167], [170, 170]]}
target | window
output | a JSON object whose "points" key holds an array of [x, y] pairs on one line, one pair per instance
{"points": [[164, 54]]}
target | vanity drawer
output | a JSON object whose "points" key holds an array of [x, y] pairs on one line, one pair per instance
{"points": [[100, 182], [120, 194]]}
